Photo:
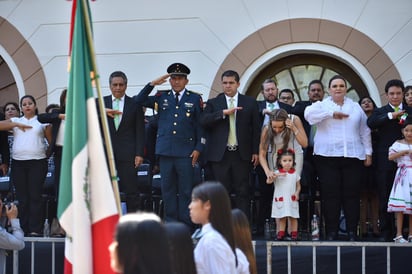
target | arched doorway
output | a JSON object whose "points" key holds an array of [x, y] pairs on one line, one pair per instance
{"points": [[296, 71], [20, 68], [311, 36]]}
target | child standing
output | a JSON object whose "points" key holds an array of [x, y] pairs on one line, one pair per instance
{"points": [[400, 197], [286, 196]]}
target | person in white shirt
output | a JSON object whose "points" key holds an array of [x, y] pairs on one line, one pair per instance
{"points": [[215, 251], [342, 143], [29, 163]]}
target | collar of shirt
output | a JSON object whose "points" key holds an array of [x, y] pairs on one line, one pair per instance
{"points": [[121, 99], [121, 102], [275, 104], [180, 93], [400, 106], [206, 228], [234, 97]]}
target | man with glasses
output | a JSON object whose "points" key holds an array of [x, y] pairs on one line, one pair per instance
{"points": [[286, 96]]}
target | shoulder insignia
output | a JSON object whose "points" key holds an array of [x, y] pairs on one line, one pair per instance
{"points": [[161, 91], [195, 92]]}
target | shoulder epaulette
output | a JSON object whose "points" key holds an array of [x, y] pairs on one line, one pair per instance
{"points": [[159, 92], [195, 92]]}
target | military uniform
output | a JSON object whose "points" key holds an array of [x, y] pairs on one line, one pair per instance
{"points": [[179, 134]]}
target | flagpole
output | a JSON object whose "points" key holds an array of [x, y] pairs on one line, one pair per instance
{"points": [[102, 112]]}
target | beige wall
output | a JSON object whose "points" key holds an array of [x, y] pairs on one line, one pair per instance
{"points": [[143, 37]]}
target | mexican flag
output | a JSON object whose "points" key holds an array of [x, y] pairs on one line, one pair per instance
{"points": [[86, 209]]}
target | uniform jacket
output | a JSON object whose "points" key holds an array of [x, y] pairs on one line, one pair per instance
{"points": [[179, 131]]}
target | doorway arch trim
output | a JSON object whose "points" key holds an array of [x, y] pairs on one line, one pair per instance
{"points": [[297, 48]]}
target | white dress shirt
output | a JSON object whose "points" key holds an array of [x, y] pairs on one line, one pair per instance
{"points": [[348, 137], [242, 262], [213, 254]]}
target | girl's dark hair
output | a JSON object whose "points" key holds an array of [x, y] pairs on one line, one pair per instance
{"points": [[11, 103], [31, 98], [181, 248], [278, 115], [220, 215], [407, 121], [141, 246], [283, 152]]}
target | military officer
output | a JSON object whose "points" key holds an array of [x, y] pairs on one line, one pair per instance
{"points": [[179, 139]]}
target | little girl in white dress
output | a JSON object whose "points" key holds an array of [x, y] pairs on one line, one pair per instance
{"points": [[400, 200], [286, 195]]}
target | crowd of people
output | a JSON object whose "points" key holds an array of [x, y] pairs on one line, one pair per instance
{"points": [[352, 156]]}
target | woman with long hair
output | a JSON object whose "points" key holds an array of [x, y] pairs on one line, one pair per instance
{"points": [[283, 131], [181, 248], [215, 251], [243, 237]]}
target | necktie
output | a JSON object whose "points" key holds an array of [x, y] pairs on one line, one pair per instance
{"points": [[232, 127], [196, 236], [396, 108], [271, 106], [116, 116], [177, 98]]}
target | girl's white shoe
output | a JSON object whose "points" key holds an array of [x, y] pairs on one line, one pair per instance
{"points": [[400, 240]]}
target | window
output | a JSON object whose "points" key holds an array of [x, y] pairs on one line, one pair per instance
{"points": [[295, 72]]}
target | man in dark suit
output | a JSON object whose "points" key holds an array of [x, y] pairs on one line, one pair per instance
{"points": [[386, 121], [231, 153], [126, 126], [179, 141], [269, 91]]}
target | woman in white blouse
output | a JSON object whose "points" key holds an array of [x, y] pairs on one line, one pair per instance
{"points": [[215, 250], [342, 144], [29, 163]]}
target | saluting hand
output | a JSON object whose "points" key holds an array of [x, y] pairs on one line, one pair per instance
{"points": [[162, 79]]}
